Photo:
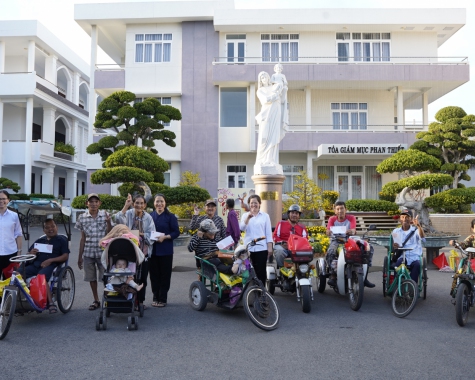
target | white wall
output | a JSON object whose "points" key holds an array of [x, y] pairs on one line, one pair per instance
{"points": [[166, 152], [14, 122], [163, 77], [413, 44], [16, 63]]}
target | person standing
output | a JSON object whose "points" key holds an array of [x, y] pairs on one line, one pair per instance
{"points": [[10, 232], [210, 207], [94, 224], [137, 219], [232, 229], [161, 261], [256, 224]]}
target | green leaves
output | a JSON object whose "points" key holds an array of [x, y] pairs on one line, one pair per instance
{"points": [[448, 113], [108, 202], [370, 205], [450, 201], [409, 160], [120, 174], [6, 183], [422, 181]]}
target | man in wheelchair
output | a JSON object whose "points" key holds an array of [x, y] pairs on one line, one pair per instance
{"points": [[411, 237], [46, 262]]}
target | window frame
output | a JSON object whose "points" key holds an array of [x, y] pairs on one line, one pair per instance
{"points": [[293, 173], [235, 39], [245, 91], [236, 175], [154, 40], [353, 38], [361, 113], [280, 41]]}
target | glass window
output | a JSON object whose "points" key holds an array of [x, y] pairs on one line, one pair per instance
{"points": [[366, 47], [236, 175], [326, 177], [233, 107], [280, 47], [373, 183], [157, 51], [352, 116], [291, 172]]}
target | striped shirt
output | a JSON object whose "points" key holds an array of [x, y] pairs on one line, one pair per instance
{"points": [[201, 246], [217, 220]]}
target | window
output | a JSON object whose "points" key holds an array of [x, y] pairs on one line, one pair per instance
{"points": [[235, 47], [326, 177], [233, 107], [290, 172], [165, 100], [280, 47], [36, 134], [347, 116], [62, 186], [153, 47], [363, 47], [236, 176], [373, 182], [60, 137]]}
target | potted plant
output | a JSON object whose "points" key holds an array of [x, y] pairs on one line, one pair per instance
{"points": [[64, 148]]}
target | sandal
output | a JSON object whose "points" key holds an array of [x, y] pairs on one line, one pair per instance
{"points": [[95, 305], [156, 304], [161, 304], [52, 309]]}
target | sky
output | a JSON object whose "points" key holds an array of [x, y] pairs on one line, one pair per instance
{"points": [[58, 17]]}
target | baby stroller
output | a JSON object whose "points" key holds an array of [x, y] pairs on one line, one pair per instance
{"points": [[114, 302]]}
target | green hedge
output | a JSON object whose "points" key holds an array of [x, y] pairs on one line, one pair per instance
{"points": [[183, 194], [109, 202], [370, 205], [453, 201]]}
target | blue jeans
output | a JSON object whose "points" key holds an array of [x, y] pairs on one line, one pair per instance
{"points": [[414, 268]]}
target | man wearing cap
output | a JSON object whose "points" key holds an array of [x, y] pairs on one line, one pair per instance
{"points": [[210, 208], [411, 237], [282, 233], [94, 224]]}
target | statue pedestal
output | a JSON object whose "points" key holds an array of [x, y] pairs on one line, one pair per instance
{"points": [[269, 188]]}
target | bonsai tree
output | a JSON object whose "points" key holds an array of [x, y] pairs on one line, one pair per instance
{"points": [[6, 183], [186, 195], [306, 194], [123, 160], [449, 140]]}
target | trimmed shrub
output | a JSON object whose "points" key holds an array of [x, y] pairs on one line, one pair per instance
{"points": [[109, 202], [370, 205], [452, 201]]}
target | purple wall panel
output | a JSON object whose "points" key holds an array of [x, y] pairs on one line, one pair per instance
{"points": [[99, 189], [199, 125]]}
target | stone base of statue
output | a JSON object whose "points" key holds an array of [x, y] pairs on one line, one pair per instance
{"points": [[268, 169], [269, 188]]}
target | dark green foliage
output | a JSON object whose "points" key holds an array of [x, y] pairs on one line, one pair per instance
{"points": [[136, 157], [5, 183], [370, 205], [418, 182], [452, 201], [390, 197], [108, 202], [121, 174], [185, 194], [64, 148], [132, 188], [409, 161]]}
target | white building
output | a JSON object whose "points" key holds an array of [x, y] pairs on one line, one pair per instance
{"points": [[44, 91], [352, 74]]}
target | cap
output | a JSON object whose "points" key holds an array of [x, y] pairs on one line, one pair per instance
{"points": [[208, 225], [209, 201], [92, 195], [406, 211], [294, 208]]}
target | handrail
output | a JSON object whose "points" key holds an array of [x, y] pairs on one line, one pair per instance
{"points": [[110, 66], [328, 128], [348, 60]]}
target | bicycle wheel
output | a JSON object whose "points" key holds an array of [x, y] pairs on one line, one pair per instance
{"points": [[7, 312], [305, 298], [65, 289], [403, 302], [356, 297], [462, 304], [385, 274], [424, 278], [261, 308], [321, 283]]}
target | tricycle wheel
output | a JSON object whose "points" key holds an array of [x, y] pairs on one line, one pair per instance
{"points": [[7, 312], [462, 304], [136, 323], [104, 322], [141, 310], [385, 275], [404, 298], [98, 323], [356, 297], [129, 324], [65, 289], [424, 278], [198, 296], [321, 283], [305, 298], [270, 286], [261, 308]]}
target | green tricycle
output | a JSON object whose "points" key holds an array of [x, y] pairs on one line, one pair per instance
{"points": [[397, 283]]}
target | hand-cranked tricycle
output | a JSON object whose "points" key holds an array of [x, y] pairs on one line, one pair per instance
{"points": [[16, 296], [227, 291]]}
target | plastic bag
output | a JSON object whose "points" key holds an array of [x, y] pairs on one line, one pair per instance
{"points": [[38, 291], [7, 272], [440, 261], [454, 260], [2, 285]]}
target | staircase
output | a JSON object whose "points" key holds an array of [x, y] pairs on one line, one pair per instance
{"points": [[382, 221]]}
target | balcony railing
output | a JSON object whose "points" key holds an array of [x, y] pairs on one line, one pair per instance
{"points": [[109, 67], [369, 128], [63, 156], [343, 60]]}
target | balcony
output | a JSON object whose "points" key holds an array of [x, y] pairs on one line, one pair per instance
{"points": [[63, 156], [109, 76]]}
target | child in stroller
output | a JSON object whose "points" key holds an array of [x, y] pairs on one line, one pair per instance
{"points": [[121, 266]]}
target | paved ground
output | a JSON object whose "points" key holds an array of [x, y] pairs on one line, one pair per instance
{"points": [[175, 342]]}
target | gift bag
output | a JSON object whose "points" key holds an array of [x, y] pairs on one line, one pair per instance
{"points": [[454, 260], [440, 261], [38, 290], [7, 272]]}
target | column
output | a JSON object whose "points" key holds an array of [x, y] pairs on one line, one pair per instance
{"points": [[1, 136], [28, 142], [92, 91], [310, 157], [71, 178], [74, 138], [252, 116], [425, 109], [400, 107], [76, 78], [49, 114], [31, 57], [2, 57], [48, 178], [51, 74], [308, 107]]}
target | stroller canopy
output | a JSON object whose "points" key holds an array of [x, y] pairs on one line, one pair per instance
{"points": [[124, 248]]}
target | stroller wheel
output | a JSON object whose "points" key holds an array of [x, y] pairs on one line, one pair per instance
{"points": [[98, 323], [136, 323], [129, 323]]}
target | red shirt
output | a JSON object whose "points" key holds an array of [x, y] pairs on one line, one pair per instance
{"points": [[349, 222], [284, 228]]}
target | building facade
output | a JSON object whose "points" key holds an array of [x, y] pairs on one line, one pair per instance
{"points": [[44, 92], [353, 75]]}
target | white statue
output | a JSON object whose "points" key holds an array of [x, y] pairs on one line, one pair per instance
{"points": [[271, 127], [278, 77]]}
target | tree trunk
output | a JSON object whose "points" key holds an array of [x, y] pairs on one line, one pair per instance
{"points": [[418, 208], [146, 189]]}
